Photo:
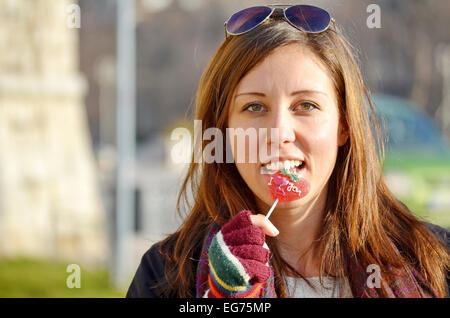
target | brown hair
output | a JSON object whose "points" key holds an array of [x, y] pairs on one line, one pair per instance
{"points": [[362, 216]]}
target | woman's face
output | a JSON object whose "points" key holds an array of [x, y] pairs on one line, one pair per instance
{"points": [[289, 90]]}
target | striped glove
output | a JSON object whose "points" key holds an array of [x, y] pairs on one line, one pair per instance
{"points": [[238, 260]]}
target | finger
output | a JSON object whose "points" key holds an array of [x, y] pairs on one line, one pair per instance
{"points": [[251, 235], [260, 221], [254, 252], [258, 271], [239, 221]]}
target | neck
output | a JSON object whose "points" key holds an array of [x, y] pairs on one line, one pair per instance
{"points": [[300, 227]]}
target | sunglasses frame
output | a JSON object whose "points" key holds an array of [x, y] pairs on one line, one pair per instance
{"points": [[274, 7]]}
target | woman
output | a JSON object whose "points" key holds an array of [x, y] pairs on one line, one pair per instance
{"points": [[346, 235]]}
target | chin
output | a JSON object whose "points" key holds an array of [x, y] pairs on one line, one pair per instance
{"points": [[267, 201], [291, 204]]}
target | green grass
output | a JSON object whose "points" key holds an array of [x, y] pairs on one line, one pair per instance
{"points": [[440, 217], [22, 277], [429, 178]]}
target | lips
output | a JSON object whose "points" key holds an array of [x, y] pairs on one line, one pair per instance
{"points": [[283, 188]]}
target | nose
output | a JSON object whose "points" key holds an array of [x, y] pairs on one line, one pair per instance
{"points": [[282, 120]]}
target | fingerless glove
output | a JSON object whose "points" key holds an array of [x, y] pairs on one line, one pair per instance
{"points": [[238, 260]]}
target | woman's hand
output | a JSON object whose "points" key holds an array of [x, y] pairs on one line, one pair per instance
{"points": [[260, 221], [239, 257]]}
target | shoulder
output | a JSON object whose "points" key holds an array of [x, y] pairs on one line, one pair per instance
{"points": [[443, 235], [148, 282], [440, 233]]}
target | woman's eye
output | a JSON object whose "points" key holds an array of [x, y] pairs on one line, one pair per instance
{"points": [[254, 108], [306, 107]]}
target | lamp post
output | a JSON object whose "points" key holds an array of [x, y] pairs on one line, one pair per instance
{"points": [[442, 115], [126, 140]]}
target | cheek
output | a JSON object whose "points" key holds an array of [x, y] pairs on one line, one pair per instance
{"points": [[325, 131], [245, 162], [244, 139], [322, 139]]}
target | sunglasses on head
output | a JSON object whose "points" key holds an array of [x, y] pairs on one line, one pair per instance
{"points": [[306, 18]]}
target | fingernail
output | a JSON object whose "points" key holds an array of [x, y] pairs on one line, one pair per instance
{"points": [[274, 229]]}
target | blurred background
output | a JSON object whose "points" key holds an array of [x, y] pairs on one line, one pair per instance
{"points": [[90, 91]]}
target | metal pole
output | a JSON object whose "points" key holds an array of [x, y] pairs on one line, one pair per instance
{"points": [[126, 143]]}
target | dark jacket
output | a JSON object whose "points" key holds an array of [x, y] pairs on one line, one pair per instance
{"points": [[149, 279]]}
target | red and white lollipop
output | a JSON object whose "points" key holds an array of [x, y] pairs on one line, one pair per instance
{"points": [[286, 186]]}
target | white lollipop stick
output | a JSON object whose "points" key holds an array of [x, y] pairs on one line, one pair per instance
{"points": [[271, 209]]}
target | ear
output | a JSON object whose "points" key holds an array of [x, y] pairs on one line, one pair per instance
{"points": [[342, 134]]}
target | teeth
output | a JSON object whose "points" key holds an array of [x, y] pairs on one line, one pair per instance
{"points": [[287, 164]]}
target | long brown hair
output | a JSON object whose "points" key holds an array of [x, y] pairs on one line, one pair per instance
{"points": [[362, 215]]}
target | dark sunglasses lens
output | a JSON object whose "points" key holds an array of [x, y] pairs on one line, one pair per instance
{"points": [[247, 19], [308, 18]]}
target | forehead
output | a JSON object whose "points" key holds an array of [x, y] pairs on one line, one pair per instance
{"points": [[288, 68]]}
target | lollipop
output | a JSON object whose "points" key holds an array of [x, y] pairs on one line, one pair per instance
{"points": [[286, 186]]}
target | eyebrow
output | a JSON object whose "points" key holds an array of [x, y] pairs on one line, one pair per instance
{"points": [[304, 91]]}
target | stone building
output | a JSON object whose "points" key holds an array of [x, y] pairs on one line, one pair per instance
{"points": [[50, 205]]}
